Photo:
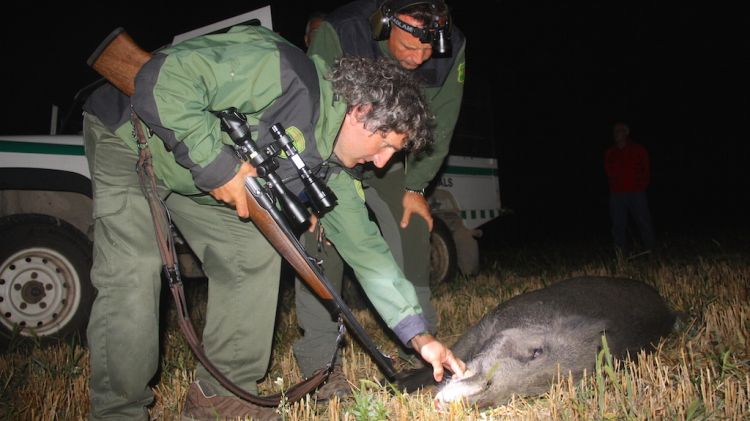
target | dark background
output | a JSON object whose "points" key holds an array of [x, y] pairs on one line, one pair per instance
{"points": [[545, 82]]}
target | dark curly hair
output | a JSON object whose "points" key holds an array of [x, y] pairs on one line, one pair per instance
{"points": [[391, 94]]}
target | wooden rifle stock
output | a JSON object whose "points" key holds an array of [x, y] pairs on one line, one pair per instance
{"points": [[271, 222], [118, 58], [281, 242]]}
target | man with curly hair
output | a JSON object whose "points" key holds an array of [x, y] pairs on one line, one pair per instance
{"points": [[364, 111]]}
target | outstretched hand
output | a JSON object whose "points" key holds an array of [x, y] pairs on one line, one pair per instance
{"points": [[233, 191], [438, 355], [415, 203]]}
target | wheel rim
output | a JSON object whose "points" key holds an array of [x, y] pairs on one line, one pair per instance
{"points": [[439, 259], [39, 291]]}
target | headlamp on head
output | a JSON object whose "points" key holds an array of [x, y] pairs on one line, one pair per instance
{"points": [[436, 32]]}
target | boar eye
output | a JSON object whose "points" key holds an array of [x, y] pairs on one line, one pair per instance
{"points": [[529, 354]]}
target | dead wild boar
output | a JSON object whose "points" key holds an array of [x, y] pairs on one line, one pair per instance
{"points": [[517, 347]]}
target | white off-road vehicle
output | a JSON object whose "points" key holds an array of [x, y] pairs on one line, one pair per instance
{"points": [[46, 226]]}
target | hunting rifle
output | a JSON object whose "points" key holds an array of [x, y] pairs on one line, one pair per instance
{"points": [[118, 59]]}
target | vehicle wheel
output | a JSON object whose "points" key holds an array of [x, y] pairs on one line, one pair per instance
{"points": [[45, 287], [443, 260]]}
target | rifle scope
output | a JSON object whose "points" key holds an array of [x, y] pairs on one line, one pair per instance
{"points": [[235, 125], [321, 198]]}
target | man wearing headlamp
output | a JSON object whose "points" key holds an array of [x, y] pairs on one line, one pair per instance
{"points": [[418, 35]]}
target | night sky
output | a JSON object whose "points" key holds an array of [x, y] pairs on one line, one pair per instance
{"points": [[545, 83]]}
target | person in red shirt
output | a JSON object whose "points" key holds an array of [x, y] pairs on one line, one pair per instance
{"points": [[629, 172]]}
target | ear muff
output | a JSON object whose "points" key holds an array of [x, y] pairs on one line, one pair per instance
{"points": [[380, 22]]}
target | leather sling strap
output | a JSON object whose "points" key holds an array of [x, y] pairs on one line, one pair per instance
{"points": [[165, 240]]}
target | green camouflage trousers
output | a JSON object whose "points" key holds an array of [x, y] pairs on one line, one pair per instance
{"points": [[123, 332]]}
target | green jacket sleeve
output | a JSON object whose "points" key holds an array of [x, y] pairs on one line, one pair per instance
{"points": [[445, 103], [174, 106], [177, 92], [360, 244]]}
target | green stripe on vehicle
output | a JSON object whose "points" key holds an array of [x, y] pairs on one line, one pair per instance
{"points": [[470, 170], [41, 148], [480, 213]]}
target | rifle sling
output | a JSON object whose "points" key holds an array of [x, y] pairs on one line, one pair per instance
{"points": [[165, 240]]}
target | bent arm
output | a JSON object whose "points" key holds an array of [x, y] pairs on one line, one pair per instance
{"points": [[361, 245]]}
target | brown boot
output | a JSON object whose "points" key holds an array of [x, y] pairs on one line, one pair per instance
{"points": [[202, 404], [335, 385]]}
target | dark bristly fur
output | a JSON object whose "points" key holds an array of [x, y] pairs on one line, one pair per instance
{"points": [[517, 347]]}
